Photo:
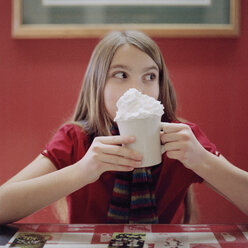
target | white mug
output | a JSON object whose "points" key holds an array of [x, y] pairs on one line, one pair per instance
{"points": [[147, 134]]}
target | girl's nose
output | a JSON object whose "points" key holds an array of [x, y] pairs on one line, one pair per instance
{"points": [[138, 85]]}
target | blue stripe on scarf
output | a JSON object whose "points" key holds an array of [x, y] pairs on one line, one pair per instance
{"points": [[121, 186]]}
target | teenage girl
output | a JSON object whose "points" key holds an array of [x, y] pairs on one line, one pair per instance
{"points": [[102, 180]]}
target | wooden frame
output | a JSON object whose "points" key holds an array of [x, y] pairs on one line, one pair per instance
{"points": [[20, 30]]}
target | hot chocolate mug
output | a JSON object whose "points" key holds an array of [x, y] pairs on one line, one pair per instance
{"points": [[147, 134]]}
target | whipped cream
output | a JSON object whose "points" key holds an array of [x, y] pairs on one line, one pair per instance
{"points": [[135, 105]]}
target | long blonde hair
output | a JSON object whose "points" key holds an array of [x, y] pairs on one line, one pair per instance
{"points": [[90, 110]]}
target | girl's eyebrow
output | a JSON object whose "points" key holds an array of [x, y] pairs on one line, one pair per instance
{"points": [[119, 66], [151, 68]]}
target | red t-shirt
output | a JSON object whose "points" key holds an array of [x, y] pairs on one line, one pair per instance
{"points": [[90, 204]]}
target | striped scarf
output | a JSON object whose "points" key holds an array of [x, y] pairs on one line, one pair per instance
{"points": [[133, 199]]}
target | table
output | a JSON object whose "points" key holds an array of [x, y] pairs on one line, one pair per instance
{"points": [[100, 235]]}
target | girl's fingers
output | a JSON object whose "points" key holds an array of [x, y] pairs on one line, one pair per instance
{"points": [[121, 151], [173, 127], [113, 145], [116, 140], [176, 132], [170, 137], [173, 146], [110, 159], [114, 167]]}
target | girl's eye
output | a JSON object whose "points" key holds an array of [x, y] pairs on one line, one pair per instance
{"points": [[150, 77], [120, 75]]}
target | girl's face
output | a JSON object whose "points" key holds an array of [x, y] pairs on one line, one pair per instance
{"points": [[130, 68]]}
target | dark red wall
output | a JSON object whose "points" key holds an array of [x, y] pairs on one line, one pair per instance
{"points": [[40, 80]]}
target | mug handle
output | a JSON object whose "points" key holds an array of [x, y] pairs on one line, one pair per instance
{"points": [[162, 146]]}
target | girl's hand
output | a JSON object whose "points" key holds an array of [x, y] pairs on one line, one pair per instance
{"points": [[180, 143], [108, 154]]}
